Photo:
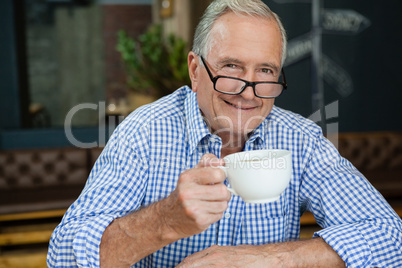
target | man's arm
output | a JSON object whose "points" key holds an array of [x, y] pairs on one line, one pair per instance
{"points": [[129, 239], [308, 253], [357, 221], [199, 200]]}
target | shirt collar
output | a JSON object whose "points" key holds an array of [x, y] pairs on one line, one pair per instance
{"points": [[196, 127], [257, 137]]}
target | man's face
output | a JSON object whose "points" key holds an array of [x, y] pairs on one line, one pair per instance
{"points": [[243, 47]]}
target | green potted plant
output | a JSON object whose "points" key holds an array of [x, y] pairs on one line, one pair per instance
{"points": [[154, 64]]}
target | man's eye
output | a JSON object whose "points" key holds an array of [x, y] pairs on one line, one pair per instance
{"points": [[268, 71], [231, 66]]}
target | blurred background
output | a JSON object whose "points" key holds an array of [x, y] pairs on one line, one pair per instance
{"points": [[71, 70]]}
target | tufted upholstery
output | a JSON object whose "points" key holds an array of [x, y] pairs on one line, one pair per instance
{"points": [[43, 179], [30, 169], [378, 155]]}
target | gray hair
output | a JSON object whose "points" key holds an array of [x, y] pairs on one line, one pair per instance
{"points": [[202, 43]]}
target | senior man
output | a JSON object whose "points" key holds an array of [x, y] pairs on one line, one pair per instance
{"points": [[154, 198]]}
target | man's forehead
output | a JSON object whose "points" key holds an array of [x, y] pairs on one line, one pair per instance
{"points": [[231, 17], [222, 27]]}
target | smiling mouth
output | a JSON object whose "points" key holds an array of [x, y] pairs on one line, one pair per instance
{"points": [[238, 107]]}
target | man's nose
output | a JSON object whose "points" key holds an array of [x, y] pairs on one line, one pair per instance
{"points": [[248, 93]]}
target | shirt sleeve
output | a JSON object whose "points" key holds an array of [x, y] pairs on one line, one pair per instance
{"points": [[357, 221], [115, 188]]}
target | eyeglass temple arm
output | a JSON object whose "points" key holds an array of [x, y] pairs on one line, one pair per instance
{"points": [[285, 85], [206, 67]]}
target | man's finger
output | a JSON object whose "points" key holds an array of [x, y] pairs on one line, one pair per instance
{"points": [[204, 175], [215, 192], [210, 160]]}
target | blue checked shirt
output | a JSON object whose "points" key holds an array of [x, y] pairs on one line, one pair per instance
{"points": [[147, 152]]}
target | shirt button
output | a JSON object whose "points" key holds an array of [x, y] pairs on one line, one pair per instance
{"points": [[227, 215]]}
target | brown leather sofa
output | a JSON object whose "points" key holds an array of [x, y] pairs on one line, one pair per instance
{"points": [[43, 179], [378, 155]]}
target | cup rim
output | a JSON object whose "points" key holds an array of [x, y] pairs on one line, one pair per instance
{"points": [[272, 153]]}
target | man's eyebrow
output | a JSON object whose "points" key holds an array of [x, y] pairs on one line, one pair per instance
{"points": [[230, 60]]}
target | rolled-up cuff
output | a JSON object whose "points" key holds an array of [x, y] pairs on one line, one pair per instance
{"points": [[349, 243], [87, 241]]}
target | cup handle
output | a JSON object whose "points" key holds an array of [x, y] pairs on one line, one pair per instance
{"points": [[226, 174], [232, 190]]}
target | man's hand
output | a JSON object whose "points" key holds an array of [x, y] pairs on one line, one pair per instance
{"points": [[199, 199]]}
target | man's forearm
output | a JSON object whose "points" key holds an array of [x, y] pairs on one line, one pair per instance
{"points": [[309, 253], [129, 239]]}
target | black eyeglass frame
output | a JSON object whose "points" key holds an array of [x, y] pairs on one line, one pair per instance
{"points": [[247, 83]]}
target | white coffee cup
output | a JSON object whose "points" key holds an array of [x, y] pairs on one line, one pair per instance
{"points": [[259, 176]]}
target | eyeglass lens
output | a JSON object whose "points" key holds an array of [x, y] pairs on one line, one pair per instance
{"points": [[234, 86]]}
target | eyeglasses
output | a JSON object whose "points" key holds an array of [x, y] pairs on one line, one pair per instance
{"points": [[235, 86]]}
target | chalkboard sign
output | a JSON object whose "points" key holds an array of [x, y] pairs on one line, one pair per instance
{"points": [[361, 61]]}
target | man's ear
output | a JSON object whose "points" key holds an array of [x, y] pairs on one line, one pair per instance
{"points": [[193, 69]]}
